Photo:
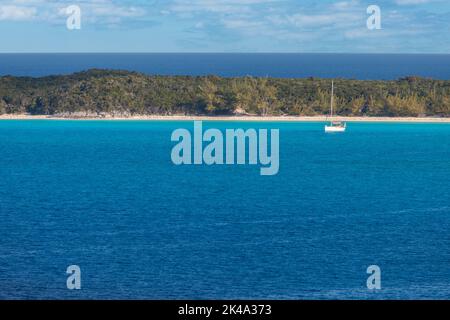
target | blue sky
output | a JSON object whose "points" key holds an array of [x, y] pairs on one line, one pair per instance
{"points": [[408, 26]]}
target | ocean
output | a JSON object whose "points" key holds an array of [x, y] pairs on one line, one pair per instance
{"points": [[104, 195], [351, 66]]}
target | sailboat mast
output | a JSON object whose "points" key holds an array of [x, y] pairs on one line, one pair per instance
{"points": [[332, 95]]}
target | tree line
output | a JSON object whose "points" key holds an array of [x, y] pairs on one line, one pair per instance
{"points": [[123, 93]]}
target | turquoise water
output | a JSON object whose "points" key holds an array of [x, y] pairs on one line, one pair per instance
{"points": [[106, 196]]}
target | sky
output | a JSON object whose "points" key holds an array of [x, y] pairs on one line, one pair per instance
{"points": [[407, 26]]}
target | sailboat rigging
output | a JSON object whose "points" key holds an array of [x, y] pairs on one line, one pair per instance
{"points": [[334, 126]]}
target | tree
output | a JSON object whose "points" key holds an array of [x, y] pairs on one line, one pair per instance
{"points": [[267, 97], [109, 93], [209, 94], [3, 106], [39, 106], [245, 92]]}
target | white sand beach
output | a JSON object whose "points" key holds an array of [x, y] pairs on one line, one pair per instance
{"points": [[230, 118]]}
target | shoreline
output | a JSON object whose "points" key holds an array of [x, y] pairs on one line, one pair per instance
{"points": [[230, 118]]}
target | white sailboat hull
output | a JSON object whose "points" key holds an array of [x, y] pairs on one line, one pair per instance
{"points": [[334, 129], [335, 126]]}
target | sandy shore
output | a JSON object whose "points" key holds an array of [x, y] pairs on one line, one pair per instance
{"points": [[233, 118]]}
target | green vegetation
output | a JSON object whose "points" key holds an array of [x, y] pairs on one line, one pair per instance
{"points": [[121, 93]]}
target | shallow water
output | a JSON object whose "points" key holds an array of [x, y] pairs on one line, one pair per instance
{"points": [[106, 196]]}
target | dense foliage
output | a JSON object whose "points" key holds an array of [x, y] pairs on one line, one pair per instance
{"points": [[101, 92]]}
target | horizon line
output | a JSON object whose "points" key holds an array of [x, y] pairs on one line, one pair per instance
{"points": [[219, 52]]}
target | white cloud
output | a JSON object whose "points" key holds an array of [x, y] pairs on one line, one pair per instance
{"points": [[216, 6], [344, 5], [16, 13], [95, 11], [410, 2], [329, 19]]}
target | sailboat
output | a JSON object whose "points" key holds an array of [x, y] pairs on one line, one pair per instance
{"points": [[334, 126]]}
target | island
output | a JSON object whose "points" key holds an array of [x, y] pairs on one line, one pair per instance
{"points": [[115, 94]]}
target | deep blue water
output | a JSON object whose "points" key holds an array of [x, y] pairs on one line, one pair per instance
{"points": [[353, 66], [106, 196]]}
